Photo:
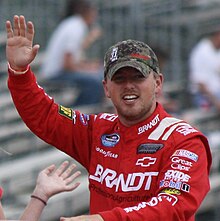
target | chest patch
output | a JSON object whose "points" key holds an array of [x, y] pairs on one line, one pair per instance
{"points": [[149, 148], [110, 140]]}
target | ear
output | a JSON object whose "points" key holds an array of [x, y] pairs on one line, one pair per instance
{"points": [[106, 90], [159, 84]]}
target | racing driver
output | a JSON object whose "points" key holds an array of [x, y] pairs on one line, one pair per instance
{"points": [[142, 163]]}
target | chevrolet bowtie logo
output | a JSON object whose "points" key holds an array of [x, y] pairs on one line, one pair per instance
{"points": [[146, 161]]}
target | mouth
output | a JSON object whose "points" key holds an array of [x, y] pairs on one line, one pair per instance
{"points": [[130, 98]]}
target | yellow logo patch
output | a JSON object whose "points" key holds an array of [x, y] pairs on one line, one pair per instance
{"points": [[66, 112], [171, 191]]}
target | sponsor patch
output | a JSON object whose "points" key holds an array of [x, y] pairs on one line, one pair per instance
{"points": [[149, 148], [120, 182], [171, 191], [106, 153], [154, 201], [110, 140], [66, 112], [180, 164], [176, 185], [186, 153], [186, 129], [176, 176], [146, 161]]}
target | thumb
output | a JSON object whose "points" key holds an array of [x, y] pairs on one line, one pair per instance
{"points": [[35, 50]]}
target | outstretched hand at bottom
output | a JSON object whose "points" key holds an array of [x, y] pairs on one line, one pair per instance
{"points": [[51, 181]]}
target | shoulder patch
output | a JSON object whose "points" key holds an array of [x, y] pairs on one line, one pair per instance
{"points": [[66, 112]]}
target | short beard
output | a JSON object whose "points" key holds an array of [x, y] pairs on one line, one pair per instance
{"points": [[135, 117]]}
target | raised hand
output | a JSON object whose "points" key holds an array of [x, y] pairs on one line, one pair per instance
{"points": [[51, 181], [20, 51]]}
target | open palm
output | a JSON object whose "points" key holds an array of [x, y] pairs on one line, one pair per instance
{"points": [[19, 49], [52, 181]]}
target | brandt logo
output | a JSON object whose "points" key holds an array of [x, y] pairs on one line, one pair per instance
{"points": [[121, 182], [149, 125]]}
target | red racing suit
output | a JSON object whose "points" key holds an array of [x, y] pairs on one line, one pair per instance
{"points": [[155, 170]]}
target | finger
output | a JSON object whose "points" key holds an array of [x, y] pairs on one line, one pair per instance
{"points": [[16, 26], [73, 177], [22, 26], [49, 169], [61, 168], [68, 171], [9, 29], [72, 186], [30, 31]]}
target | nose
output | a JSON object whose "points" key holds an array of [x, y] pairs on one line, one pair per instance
{"points": [[129, 83]]}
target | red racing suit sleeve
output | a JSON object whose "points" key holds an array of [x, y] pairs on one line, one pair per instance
{"points": [[180, 192], [42, 115]]}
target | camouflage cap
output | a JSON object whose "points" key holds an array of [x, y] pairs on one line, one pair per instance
{"points": [[130, 53]]}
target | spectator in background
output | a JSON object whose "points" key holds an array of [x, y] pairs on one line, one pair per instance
{"points": [[204, 68], [65, 55], [50, 181]]}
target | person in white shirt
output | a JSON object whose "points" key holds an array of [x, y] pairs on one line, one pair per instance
{"points": [[65, 54], [204, 68]]}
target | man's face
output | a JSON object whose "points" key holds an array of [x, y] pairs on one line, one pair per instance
{"points": [[91, 16], [133, 95]]}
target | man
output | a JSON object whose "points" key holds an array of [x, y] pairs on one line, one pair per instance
{"points": [[50, 181], [204, 70], [143, 164], [65, 60]]}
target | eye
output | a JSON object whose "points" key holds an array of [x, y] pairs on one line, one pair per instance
{"points": [[139, 76], [118, 78]]}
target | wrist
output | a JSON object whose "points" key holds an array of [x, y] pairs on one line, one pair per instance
{"points": [[38, 193], [38, 198], [18, 70]]}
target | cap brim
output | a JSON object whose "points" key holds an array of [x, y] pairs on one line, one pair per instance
{"points": [[143, 68]]}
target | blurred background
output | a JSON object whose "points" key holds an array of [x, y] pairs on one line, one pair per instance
{"points": [[171, 27]]}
